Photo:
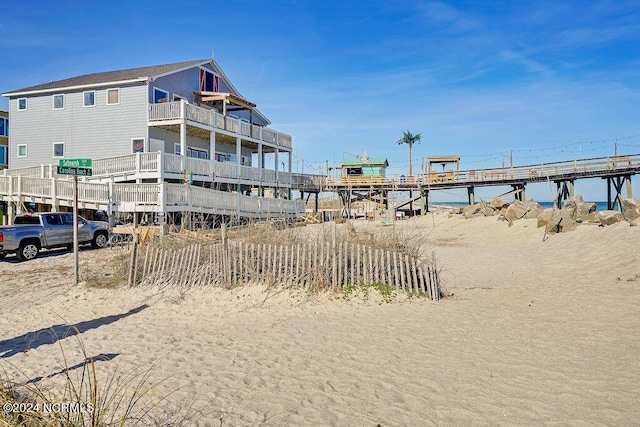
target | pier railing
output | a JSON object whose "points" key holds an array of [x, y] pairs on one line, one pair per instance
{"points": [[543, 171], [598, 166]]}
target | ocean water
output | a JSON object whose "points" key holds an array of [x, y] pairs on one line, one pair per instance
{"points": [[600, 206]]}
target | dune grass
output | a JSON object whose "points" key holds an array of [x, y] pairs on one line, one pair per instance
{"points": [[79, 396]]}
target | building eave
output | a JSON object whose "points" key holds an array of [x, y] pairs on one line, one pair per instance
{"points": [[77, 87]]}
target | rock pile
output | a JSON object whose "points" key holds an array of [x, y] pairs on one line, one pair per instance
{"points": [[574, 212], [505, 211]]}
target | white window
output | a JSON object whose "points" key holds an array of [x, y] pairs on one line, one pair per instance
{"points": [[58, 102], [22, 104], [3, 155], [176, 148], [22, 150], [58, 149], [89, 98], [160, 95], [197, 153], [138, 145], [113, 96]]}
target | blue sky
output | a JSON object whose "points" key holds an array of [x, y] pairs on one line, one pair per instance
{"points": [[549, 80]]}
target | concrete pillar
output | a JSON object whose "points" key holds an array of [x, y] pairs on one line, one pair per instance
{"points": [[629, 190], [471, 194]]}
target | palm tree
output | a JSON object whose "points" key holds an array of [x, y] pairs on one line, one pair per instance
{"points": [[409, 138]]}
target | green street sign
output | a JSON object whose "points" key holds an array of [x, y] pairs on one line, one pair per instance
{"points": [[62, 170], [75, 163]]}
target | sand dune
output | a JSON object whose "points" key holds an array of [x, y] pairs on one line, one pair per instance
{"points": [[534, 332]]}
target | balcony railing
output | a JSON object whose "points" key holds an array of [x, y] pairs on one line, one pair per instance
{"points": [[135, 197], [211, 118], [154, 163]]}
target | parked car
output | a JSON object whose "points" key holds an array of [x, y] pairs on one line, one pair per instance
{"points": [[33, 232]]}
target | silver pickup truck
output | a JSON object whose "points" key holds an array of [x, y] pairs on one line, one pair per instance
{"points": [[32, 232]]}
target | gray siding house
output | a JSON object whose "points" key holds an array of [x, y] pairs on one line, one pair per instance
{"points": [[149, 131], [108, 114]]}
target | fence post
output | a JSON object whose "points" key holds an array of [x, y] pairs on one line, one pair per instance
{"points": [[134, 259]]}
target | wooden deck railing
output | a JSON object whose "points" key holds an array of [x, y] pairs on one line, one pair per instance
{"points": [[135, 164], [132, 197], [227, 203], [211, 118]]}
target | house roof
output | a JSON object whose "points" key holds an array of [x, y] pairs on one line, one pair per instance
{"points": [[130, 74]]}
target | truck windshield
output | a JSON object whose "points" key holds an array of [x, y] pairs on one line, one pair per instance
{"points": [[30, 220]]}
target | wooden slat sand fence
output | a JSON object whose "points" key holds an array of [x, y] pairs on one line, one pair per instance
{"points": [[312, 266]]}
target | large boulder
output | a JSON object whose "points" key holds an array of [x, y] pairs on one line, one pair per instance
{"points": [[610, 217], [588, 218], [562, 220], [581, 207], [533, 209], [498, 204], [635, 222], [487, 211], [474, 210], [545, 217], [515, 211], [470, 211], [631, 209]]}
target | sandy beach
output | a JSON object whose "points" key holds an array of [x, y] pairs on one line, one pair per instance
{"points": [[533, 332]]}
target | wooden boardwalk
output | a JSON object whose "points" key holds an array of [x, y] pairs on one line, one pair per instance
{"points": [[617, 170], [113, 187]]}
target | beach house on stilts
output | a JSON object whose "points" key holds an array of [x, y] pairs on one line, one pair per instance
{"points": [[165, 141]]}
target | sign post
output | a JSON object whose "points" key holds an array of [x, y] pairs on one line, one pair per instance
{"points": [[75, 230], [75, 167]]}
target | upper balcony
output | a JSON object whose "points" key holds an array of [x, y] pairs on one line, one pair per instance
{"points": [[204, 118]]}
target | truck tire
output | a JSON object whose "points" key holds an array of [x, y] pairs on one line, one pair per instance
{"points": [[28, 250], [100, 240]]}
